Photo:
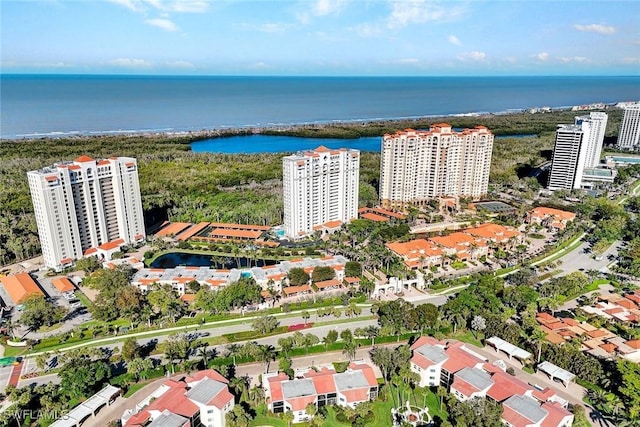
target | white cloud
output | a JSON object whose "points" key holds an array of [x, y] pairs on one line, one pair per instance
{"points": [[454, 40], [596, 28], [406, 12], [130, 63], [574, 59], [274, 27], [133, 5], [327, 7], [178, 6], [163, 23], [260, 66], [367, 30], [408, 61], [181, 64], [542, 56], [473, 56], [630, 60]]}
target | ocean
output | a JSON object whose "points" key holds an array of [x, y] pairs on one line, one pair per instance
{"points": [[33, 106]]}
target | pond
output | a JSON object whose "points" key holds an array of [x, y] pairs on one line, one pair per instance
{"points": [[174, 259]]}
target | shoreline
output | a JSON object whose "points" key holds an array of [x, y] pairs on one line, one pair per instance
{"points": [[294, 129]]}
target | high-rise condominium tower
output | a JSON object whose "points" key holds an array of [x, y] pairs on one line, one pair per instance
{"points": [[629, 137], [86, 203], [320, 186], [594, 137], [577, 146], [417, 166]]}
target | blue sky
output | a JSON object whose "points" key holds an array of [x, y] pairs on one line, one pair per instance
{"points": [[320, 37]]}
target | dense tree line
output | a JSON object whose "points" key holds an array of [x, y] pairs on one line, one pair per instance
{"points": [[243, 188]]}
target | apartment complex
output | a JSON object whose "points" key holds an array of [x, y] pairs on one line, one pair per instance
{"points": [[84, 205], [629, 136], [320, 187], [468, 375], [201, 399], [577, 147], [320, 387], [417, 166]]}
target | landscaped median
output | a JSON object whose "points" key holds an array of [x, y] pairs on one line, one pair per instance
{"points": [[52, 344]]}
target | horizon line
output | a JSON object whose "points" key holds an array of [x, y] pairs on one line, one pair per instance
{"points": [[3, 74]]}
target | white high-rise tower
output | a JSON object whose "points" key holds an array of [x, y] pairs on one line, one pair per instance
{"points": [[577, 146], [320, 186], [629, 137], [84, 204], [594, 136]]}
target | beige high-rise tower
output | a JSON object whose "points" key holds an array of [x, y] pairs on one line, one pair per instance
{"points": [[86, 203], [417, 166]]}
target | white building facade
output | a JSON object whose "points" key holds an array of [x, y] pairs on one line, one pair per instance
{"points": [[417, 166], [84, 204], [629, 136], [577, 146], [594, 138], [320, 186]]}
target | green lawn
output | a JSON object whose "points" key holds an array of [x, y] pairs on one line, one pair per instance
{"points": [[381, 408]]}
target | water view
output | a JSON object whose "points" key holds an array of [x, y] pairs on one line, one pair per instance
{"points": [[174, 259]]}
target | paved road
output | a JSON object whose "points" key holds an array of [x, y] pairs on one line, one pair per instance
{"points": [[581, 259]]}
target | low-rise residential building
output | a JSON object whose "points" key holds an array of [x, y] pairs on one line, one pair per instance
{"points": [[467, 245], [552, 219], [467, 375], [200, 399], [20, 286], [271, 276], [379, 214], [320, 387]]}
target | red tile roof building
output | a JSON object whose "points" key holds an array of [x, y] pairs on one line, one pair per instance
{"points": [[320, 387], [418, 165], [20, 286], [203, 398]]}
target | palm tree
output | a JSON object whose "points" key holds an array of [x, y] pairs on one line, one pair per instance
{"points": [[288, 417], [266, 353], [205, 353], [537, 337], [233, 350], [349, 349], [371, 332], [286, 344]]}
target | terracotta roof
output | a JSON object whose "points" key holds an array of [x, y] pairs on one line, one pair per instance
{"points": [[352, 280], [296, 289], [633, 344], [83, 159], [374, 217], [64, 261], [505, 385], [597, 333], [233, 226], [111, 245], [191, 231], [609, 348], [51, 178], [90, 251], [19, 286], [328, 283], [321, 149], [173, 228], [63, 284], [245, 234], [542, 211]]}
